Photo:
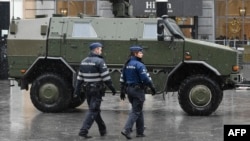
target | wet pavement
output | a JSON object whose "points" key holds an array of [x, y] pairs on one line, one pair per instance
{"points": [[164, 120]]}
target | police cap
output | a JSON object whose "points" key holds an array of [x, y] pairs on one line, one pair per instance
{"points": [[94, 45], [135, 48]]}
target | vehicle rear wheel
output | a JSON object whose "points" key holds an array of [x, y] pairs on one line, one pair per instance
{"points": [[50, 93], [199, 95]]}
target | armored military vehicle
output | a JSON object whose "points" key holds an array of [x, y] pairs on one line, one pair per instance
{"points": [[44, 56]]}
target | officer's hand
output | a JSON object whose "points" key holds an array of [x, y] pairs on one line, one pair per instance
{"points": [[75, 94], [113, 92], [122, 96], [152, 87], [153, 91]]}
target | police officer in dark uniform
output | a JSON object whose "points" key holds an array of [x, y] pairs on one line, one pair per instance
{"points": [[134, 78], [93, 74]]}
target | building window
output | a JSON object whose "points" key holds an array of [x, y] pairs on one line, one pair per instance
{"points": [[186, 24], [66, 7], [38, 7], [75, 7], [232, 19]]}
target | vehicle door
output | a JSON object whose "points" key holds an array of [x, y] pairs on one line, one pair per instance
{"points": [[160, 56]]}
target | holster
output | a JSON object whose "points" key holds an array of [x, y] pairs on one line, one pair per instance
{"points": [[136, 86], [96, 87]]}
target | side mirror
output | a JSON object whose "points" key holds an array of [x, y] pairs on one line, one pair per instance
{"points": [[44, 29], [160, 31]]}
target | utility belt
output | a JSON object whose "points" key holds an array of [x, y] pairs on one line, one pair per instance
{"points": [[137, 86], [94, 84], [98, 86]]}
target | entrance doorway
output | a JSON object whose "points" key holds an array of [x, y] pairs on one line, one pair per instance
{"points": [[4, 26], [4, 18]]}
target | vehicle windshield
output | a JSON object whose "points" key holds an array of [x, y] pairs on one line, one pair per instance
{"points": [[174, 29]]}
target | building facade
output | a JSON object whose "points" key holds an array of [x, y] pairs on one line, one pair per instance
{"points": [[211, 19], [232, 19]]}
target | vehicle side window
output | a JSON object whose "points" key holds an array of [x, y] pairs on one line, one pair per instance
{"points": [[150, 31], [83, 30], [167, 34]]}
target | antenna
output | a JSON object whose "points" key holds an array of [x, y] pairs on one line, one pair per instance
{"points": [[13, 26], [13, 10]]}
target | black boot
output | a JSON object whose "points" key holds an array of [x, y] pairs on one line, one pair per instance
{"points": [[86, 136], [126, 134], [103, 133], [140, 135]]}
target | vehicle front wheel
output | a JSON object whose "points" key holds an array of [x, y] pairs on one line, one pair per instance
{"points": [[199, 95], [50, 93]]}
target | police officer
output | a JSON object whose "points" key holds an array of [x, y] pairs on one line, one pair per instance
{"points": [[92, 74], [133, 80]]}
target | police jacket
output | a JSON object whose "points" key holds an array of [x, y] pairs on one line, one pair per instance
{"points": [[134, 72], [93, 70]]}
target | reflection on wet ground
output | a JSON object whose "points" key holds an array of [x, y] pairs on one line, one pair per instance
{"points": [[164, 120]]}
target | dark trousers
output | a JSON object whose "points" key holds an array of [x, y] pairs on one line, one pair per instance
{"points": [[94, 99], [136, 97]]}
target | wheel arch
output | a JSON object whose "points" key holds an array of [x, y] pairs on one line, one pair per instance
{"points": [[189, 68], [41, 65]]}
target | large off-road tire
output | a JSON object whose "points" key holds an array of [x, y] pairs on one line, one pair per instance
{"points": [[199, 95], [50, 93]]}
